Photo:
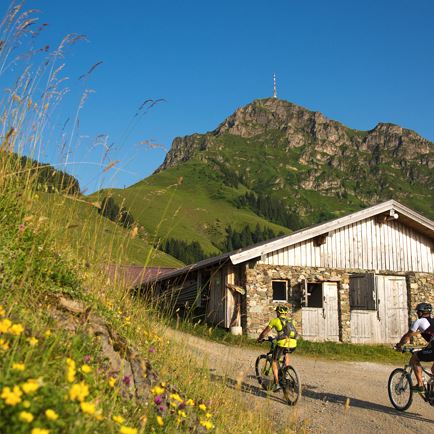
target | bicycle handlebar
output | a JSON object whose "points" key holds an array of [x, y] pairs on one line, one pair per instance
{"points": [[268, 339]]}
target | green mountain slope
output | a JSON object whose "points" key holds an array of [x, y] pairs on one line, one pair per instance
{"points": [[190, 203], [79, 225], [276, 164]]}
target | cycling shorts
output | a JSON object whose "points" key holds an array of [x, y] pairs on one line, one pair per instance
{"points": [[278, 352], [427, 354]]}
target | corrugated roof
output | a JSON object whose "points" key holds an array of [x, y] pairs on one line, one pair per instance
{"points": [[135, 275]]}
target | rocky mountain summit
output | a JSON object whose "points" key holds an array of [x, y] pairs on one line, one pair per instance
{"points": [[304, 150]]}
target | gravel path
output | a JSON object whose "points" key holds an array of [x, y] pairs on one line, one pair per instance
{"points": [[326, 386]]}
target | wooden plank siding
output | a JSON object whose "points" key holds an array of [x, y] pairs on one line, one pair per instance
{"points": [[365, 245]]}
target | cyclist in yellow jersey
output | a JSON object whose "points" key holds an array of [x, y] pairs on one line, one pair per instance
{"points": [[286, 342]]}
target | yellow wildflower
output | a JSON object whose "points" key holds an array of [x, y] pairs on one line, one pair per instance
{"points": [[70, 370], [157, 390], [40, 431], [32, 341], [18, 366], [112, 381], [16, 329], [25, 416], [78, 391], [51, 414], [5, 325], [70, 362], [128, 430], [85, 369], [87, 407], [99, 415], [30, 386], [11, 397], [4, 345], [160, 421], [118, 419], [47, 333], [26, 404], [207, 424], [2, 311], [182, 413], [176, 397], [190, 402], [202, 407]]}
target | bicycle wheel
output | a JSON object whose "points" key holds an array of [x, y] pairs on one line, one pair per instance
{"points": [[290, 385], [264, 373], [399, 388]]}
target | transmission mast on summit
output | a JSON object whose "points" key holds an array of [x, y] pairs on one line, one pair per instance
{"points": [[274, 86]]}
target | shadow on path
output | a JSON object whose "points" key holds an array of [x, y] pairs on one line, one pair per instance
{"points": [[247, 388], [309, 392]]}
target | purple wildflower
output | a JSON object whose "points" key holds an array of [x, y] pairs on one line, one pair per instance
{"points": [[87, 358], [158, 399], [162, 408], [126, 380], [152, 350]]}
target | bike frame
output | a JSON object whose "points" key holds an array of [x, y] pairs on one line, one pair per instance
{"points": [[425, 373]]}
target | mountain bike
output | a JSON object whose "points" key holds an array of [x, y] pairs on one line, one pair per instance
{"points": [[288, 377], [400, 383]]}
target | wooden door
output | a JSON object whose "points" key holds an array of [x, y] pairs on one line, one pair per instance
{"points": [[216, 308], [389, 321], [392, 307], [321, 323]]}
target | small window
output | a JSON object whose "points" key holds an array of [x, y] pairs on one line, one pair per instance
{"points": [[314, 295], [279, 290], [362, 292]]}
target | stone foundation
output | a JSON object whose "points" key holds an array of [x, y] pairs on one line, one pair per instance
{"points": [[258, 305], [420, 290], [259, 298]]}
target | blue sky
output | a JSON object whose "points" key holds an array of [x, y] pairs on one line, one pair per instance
{"points": [[359, 62]]}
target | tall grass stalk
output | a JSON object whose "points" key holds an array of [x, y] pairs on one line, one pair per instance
{"points": [[53, 242]]}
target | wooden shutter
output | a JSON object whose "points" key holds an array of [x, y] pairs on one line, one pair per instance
{"points": [[362, 291]]}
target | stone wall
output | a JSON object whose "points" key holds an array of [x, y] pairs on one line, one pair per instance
{"points": [[259, 294], [420, 290], [259, 305]]}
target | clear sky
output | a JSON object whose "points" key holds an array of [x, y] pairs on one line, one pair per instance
{"points": [[359, 62]]}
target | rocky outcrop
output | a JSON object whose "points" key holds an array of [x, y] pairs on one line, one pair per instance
{"points": [[295, 150], [135, 374], [323, 138]]}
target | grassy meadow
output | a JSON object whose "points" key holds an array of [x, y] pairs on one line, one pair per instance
{"points": [[54, 378]]}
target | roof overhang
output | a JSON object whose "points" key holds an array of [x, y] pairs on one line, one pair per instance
{"points": [[216, 260], [391, 208]]}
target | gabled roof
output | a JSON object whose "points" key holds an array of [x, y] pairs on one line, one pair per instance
{"points": [[405, 215], [390, 208]]}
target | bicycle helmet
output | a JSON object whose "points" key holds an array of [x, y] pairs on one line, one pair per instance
{"points": [[424, 307], [281, 309]]}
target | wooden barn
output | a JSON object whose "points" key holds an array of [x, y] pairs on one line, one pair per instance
{"points": [[352, 279]]}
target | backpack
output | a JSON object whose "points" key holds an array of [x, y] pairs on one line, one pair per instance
{"points": [[288, 329], [428, 334]]}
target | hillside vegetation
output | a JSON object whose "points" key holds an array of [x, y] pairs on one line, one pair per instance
{"points": [[279, 166], [77, 353]]}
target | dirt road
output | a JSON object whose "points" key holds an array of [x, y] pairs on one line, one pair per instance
{"points": [[325, 389]]}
